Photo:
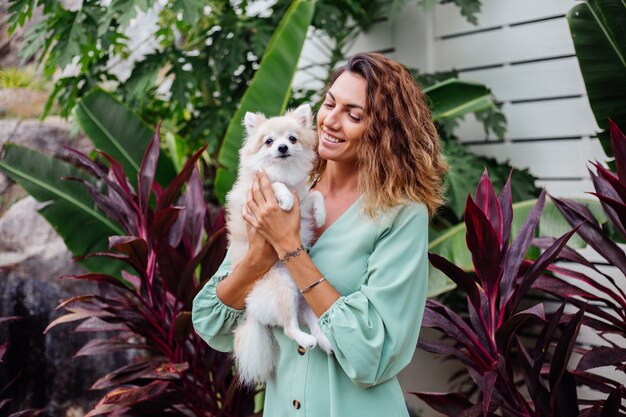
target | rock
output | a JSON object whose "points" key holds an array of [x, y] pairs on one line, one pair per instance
{"points": [[48, 136], [47, 375], [4, 183], [32, 258], [22, 102], [29, 244]]}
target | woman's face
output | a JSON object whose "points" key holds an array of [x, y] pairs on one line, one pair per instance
{"points": [[341, 119]]}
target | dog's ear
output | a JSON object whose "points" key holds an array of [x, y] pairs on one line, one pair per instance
{"points": [[252, 120], [304, 115]]}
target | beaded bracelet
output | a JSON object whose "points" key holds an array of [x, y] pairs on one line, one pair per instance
{"points": [[307, 289]]}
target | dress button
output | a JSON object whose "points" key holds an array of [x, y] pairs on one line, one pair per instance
{"points": [[296, 404], [301, 350]]}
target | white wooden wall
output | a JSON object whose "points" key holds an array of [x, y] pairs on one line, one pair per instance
{"points": [[523, 51]]}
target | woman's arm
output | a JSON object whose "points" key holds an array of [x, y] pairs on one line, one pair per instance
{"points": [[234, 289]]}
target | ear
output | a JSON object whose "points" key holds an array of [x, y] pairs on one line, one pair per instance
{"points": [[252, 120], [304, 115]]}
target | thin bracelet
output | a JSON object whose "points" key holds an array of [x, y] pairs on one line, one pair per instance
{"points": [[293, 253], [307, 289]]}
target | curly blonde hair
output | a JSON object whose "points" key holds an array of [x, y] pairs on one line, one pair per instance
{"points": [[399, 157]]}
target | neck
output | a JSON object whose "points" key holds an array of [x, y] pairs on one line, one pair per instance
{"points": [[339, 178]]}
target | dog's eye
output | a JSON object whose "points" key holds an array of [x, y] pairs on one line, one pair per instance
{"points": [[293, 139], [269, 141]]}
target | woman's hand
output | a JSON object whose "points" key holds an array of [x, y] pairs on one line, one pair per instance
{"points": [[261, 255], [280, 228]]}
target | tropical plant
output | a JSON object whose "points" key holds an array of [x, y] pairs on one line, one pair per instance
{"points": [[187, 62], [170, 249], [598, 29], [113, 128], [487, 338], [599, 293]]}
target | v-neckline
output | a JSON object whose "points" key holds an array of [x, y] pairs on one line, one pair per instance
{"points": [[337, 220]]}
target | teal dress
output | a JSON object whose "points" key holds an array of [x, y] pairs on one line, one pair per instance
{"points": [[380, 267]]}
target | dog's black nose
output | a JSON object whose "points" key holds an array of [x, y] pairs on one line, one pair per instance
{"points": [[283, 148]]}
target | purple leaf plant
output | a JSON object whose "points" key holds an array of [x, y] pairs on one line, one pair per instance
{"points": [[515, 356], [597, 290], [172, 246]]}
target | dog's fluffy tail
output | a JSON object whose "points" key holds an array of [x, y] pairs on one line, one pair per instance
{"points": [[254, 352]]}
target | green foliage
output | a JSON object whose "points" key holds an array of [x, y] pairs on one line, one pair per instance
{"points": [[489, 114], [598, 29], [269, 90], [465, 171], [66, 205], [21, 78], [468, 8], [115, 130]]}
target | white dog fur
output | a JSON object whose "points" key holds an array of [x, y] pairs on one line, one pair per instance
{"points": [[284, 147]]}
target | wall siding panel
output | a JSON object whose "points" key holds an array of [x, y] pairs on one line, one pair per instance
{"points": [[554, 160], [533, 41], [536, 80], [558, 118], [494, 13]]}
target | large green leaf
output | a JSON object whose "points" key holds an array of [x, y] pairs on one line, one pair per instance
{"points": [[466, 169], [270, 88], [69, 207], [454, 98], [114, 129], [598, 29], [452, 244]]}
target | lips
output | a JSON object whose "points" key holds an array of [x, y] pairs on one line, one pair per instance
{"points": [[331, 139]]}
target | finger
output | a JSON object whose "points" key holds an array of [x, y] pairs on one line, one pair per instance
{"points": [[249, 218], [266, 186], [296, 200], [251, 204], [257, 194]]}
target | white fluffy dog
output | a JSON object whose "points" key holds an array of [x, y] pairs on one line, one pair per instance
{"points": [[284, 147]]}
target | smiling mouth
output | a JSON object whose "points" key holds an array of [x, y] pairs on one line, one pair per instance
{"points": [[331, 139]]}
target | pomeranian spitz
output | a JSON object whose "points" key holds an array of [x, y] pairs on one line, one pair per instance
{"points": [[284, 147]]}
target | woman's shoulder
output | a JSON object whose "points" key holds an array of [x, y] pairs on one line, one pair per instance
{"points": [[411, 212]]}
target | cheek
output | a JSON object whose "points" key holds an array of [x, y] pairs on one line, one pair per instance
{"points": [[321, 115], [356, 133]]}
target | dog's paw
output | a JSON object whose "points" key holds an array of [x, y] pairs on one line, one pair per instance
{"points": [[307, 341], [285, 201]]}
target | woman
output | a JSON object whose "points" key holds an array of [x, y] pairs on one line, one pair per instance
{"points": [[380, 171]]}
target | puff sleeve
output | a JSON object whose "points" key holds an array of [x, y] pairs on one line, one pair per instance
{"points": [[213, 320], [374, 330]]}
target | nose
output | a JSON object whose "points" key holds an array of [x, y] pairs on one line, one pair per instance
{"points": [[331, 120], [283, 149]]}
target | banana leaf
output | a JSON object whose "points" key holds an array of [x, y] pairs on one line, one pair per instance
{"points": [[598, 29], [68, 206], [454, 98], [114, 129], [452, 244], [270, 88]]}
